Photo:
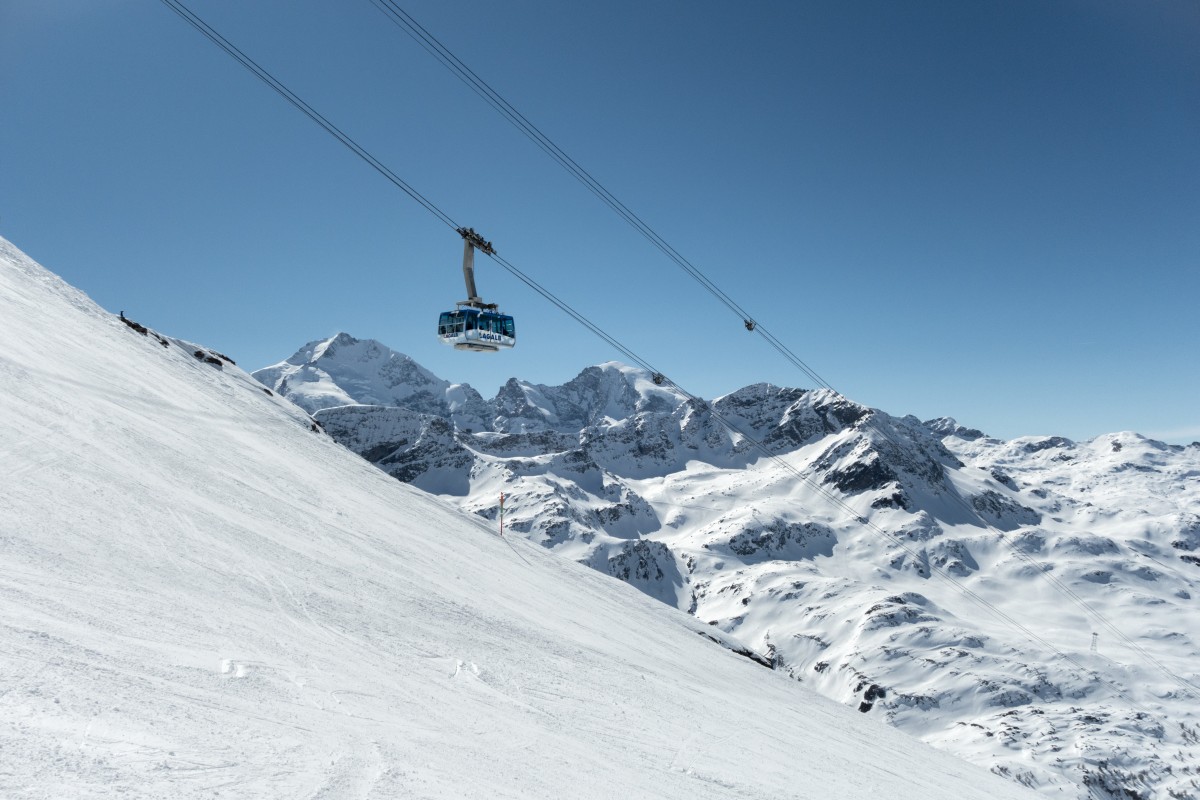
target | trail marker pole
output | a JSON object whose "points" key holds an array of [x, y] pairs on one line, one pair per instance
{"points": [[502, 515]]}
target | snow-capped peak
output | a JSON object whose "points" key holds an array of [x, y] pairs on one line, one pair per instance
{"points": [[598, 396], [342, 370]]}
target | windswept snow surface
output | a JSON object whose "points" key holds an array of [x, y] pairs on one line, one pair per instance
{"points": [[202, 596]]}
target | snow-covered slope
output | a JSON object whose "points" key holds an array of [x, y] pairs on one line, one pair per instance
{"points": [[202, 596], [921, 572]]}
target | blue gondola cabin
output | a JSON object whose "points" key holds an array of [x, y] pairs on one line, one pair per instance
{"points": [[481, 331]]}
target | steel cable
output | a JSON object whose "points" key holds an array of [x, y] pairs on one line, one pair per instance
{"points": [[192, 19]]}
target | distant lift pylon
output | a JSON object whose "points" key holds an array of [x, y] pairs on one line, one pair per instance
{"points": [[475, 325]]}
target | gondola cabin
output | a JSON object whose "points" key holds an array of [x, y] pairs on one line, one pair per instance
{"points": [[481, 331]]}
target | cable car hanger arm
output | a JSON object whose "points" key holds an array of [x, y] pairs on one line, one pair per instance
{"points": [[472, 240]]}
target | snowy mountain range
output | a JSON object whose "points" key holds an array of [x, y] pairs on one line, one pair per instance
{"points": [[203, 595], [1028, 605]]}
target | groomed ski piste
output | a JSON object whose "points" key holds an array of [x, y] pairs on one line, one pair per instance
{"points": [[203, 596]]}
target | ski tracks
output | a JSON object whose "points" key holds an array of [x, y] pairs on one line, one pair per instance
{"points": [[355, 772]]}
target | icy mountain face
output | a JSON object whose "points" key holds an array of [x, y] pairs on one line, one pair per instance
{"points": [[598, 397], [203, 595], [922, 572]]}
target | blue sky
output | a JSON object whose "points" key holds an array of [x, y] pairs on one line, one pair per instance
{"points": [[986, 210]]}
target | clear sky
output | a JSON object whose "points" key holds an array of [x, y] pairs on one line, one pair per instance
{"points": [[988, 210]]}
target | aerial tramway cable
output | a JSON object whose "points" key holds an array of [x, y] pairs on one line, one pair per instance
{"points": [[403, 20], [438, 50], [266, 77], [192, 19]]}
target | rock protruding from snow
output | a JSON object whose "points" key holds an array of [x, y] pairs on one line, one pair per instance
{"points": [[948, 426]]}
